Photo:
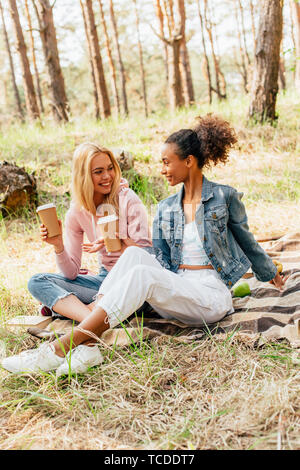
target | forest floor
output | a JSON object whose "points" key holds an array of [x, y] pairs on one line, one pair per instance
{"points": [[212, 394]]}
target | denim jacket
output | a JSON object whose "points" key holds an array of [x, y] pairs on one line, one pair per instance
{"points": [[223, 229]]}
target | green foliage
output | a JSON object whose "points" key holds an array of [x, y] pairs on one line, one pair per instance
{"points": [[47, 150], [151, 190]]}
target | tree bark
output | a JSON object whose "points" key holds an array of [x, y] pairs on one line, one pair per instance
{"points": [[173, 43], [97, 61], [160, 17], [142, 69], [220, 80], [17, 189], [243, 65], [88, 40], [36, 72], [295, 10], [56, 84], [282, 80], [3, 92], [120, 61], [176, 96], [186, 74], [168, 7], [110, 60], [30, 96], [253, 24], [266, 65], [206, 66], [248, 61], [12, 69]]}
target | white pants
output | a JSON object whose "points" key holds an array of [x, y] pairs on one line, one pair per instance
{"points": [[195, 297]]}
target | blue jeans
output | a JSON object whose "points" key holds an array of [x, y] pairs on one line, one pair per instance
{"points": [[48, 288]]}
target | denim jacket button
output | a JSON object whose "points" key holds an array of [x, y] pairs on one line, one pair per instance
{"points": [[219, 269], [210, 255]]}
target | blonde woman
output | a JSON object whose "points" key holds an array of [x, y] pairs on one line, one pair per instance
{"points": [[97, 187]]}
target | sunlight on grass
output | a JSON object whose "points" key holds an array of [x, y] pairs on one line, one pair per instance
{"points": [[215, 393]]}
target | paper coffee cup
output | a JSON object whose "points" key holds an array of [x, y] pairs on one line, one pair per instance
{"points": [[108, 226], [48, 216]]}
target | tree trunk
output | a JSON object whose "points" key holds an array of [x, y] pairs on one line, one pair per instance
{"points": [[220, 80], [187, 81], [17, 189], [30, 96], [253, 25], [176, 97], [3, 93], [295, 7], [36, 72], [160, 17], [56, 84], [173, 43], [248, 61], [88, 40], [243, 66], [292, 24], [206, 70], [168, 8], [12, 69], [142, 69], [110, 60], [282, 80], [121, 66], [97, 61], [266, 65]]}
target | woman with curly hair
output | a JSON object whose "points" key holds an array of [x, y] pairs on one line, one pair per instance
{"points": [[202, 248]]}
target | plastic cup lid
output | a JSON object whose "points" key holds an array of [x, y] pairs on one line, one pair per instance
{"points": [[108, 218], [45, 206]]}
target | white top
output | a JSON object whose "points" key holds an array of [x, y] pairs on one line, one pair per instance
{"points": [[193, 252], [46, 206]]}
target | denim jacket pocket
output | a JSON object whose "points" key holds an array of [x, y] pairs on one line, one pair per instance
{"points": [[215, 220], [216, 223]]}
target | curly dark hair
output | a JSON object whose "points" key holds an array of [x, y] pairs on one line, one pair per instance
{"points": [[209, 141]]}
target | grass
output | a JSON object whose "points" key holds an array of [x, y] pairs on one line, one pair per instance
{"points": [[264, 165], [214, 394], [217, 393]]}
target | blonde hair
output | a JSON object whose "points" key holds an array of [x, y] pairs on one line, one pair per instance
{"points": [[82, 183]]}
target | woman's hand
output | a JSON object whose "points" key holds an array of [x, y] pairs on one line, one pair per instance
{"points": [[97, 245], [279, 281], [126, 242], [56, 241]]}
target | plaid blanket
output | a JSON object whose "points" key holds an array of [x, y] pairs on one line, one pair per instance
{"points": [[265, 315]]}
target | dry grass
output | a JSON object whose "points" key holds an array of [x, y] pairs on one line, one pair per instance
{"points": [[217, 393]]}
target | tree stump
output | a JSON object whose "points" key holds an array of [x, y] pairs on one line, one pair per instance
{"points": [[17, 188], [124, 158]]}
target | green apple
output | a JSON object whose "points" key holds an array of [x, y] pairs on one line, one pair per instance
{"points": [[242, 290]]}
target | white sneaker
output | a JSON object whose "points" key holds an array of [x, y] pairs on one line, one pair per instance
{"points": [[34, 360], [79, 360]]}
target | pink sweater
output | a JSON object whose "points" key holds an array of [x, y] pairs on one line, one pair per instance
{"points": [[133, 223]]}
